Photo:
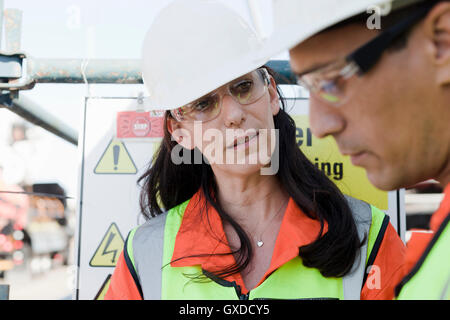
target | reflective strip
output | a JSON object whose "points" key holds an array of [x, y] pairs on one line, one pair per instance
{"points": [[129, 261], [129, 243], [380, 222], [148, 247], [352, 282], [430, 275], [445, 295]]}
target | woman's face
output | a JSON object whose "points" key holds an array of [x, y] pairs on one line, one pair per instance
{"points": [[241, 138]]}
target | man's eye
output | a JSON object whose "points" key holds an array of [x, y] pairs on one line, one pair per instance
{"points": [[333, 85], [328, 85]]}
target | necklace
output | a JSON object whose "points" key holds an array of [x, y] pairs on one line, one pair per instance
{"points": [[259, 241]]}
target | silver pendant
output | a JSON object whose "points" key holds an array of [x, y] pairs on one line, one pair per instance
{"points": [[259, 243]]}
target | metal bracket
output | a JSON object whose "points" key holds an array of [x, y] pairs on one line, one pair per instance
{"points": [[5, 100], [13, 72]]}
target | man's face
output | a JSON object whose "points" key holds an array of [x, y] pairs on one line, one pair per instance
{"points": [[393, 115]]}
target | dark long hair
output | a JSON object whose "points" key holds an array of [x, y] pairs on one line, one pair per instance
{"points": [[165, 185]]}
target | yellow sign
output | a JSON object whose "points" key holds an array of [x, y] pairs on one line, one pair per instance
{"points": [[103, 289], [325, 155], [115, 160], [109, 249]]}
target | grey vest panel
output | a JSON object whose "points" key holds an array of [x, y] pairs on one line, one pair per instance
{"points": [[352, 282], [148, 248]]}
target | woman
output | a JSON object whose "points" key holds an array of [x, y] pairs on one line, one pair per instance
{"points": [[219, 229]]}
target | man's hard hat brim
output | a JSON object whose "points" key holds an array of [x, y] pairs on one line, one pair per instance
{"points": [[296, 21]]}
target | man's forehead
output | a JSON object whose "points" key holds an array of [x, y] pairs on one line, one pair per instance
{"points": [[328, 46]]}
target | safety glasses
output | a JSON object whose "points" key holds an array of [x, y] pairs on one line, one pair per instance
{"points": [[245, 90], [330, 83]]}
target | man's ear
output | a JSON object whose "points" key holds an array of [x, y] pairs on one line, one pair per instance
{"points": [[179, 134], [437, 29], [274, 98]]}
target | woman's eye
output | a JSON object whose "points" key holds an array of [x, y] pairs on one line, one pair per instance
{"points": [[243, 87], [202, 105]]}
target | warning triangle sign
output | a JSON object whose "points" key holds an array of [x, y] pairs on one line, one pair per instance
{"points": [[109, 249], [103, 289], [115, 160]]}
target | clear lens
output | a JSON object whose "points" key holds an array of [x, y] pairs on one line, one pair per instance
{"points": [[205, 108], [330, 91], [248, 89], [244, 90], [330, 83]]}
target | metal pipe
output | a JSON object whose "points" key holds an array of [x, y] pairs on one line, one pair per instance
{"points": [[118, 71], [92, 71], [113, 71], [34, 113], [284, 73]]}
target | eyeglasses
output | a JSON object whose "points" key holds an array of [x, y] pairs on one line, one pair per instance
{"points": [[329, 83], [245, 90]]}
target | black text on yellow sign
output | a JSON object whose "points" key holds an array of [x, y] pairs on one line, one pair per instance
{"points": [[334, 170], [109, 249], [325, 155]]}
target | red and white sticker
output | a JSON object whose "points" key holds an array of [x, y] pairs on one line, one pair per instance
{"points": [[132, 124]]}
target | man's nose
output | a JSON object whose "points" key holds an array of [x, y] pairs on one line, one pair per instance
{"points": [[324, 119], [233, 111]]}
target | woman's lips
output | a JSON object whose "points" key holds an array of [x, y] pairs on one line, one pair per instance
{"points": [[245, 140]]}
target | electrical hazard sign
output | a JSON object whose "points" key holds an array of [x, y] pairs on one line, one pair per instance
{"points": [[103, 289], [115, 160], [109, 249]]}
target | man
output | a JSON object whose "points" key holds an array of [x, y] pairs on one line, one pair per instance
{"points": [[383, 92]]}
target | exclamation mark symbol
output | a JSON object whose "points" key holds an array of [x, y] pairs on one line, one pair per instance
{"points": [[116, 151]]}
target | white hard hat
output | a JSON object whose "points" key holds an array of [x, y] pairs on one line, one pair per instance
{"points": [[194, 47], [296, 21]]}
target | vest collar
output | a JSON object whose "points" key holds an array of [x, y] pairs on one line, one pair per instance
{"points": [[201, 233]]}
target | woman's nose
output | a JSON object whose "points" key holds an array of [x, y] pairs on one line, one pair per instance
{"points": [[233, 112]]}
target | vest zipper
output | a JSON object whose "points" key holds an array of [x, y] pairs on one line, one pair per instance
{"points": [[226, 283], [244, 296], [240, 295]]}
